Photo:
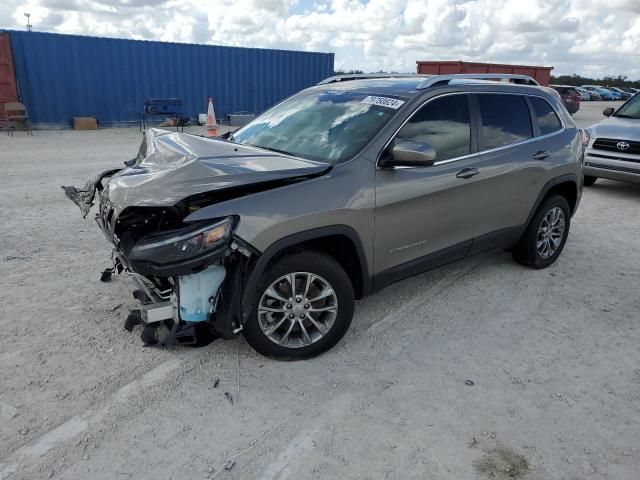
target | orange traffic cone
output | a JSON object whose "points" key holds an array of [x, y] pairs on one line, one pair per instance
{"points": [[212, 128]]}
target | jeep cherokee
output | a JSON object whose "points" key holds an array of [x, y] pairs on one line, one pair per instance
{"points": [[332, 194]]}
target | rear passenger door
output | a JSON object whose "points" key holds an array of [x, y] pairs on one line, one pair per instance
{"points": [[513, 157]]}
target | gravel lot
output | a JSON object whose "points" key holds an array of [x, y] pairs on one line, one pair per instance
{"points": [[553, 356]]}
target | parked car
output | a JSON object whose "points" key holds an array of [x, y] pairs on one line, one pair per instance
{"points": [[570, 96], [613, 150], [595, 96], [604, 93], [616, 95], [624, 94], [584, 95], [332, 194]]}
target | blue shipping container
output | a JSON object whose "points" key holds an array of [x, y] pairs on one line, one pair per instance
{"points": [[65, 76]]}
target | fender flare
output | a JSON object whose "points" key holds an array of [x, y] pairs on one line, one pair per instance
{"points": [[262, 262], [567, 178]]}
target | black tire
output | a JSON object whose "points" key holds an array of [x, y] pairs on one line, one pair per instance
{"points": [[526, 251], [588, 181], [331, 272]]}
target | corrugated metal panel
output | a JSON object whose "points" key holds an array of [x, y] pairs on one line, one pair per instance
{"points": [[63, 76]]}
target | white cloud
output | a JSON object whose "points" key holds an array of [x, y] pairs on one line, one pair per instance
{"points": [[595, 37]]}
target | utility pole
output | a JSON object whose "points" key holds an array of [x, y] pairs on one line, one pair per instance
{"points": [[28, 22]]}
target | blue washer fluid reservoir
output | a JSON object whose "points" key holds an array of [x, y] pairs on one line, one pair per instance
{"points": [[196, 290]]}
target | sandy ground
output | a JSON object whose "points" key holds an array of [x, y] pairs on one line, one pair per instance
{"points": [[480, 368]]}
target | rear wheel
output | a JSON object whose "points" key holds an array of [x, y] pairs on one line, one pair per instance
{"points": [[305, 306], [546, 235], [588, 181]]}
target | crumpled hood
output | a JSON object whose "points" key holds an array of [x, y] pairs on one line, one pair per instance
{"points": [[616, 128], [171, 166]]}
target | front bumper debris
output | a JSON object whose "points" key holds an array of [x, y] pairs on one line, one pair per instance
{"points": [[83, 197], [185, 298], [157, 312], [160, 309]]}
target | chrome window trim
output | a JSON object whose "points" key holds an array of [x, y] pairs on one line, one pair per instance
{"points": [[481, 152]]}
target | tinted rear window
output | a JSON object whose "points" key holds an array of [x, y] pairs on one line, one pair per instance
{"points": [[505, 119], [548, 121]]}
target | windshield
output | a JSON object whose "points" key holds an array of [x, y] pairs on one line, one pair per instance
{"points": [[327, 126], [631, 109]]}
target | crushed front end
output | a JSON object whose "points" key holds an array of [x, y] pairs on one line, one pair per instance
{"points": [[184, 273], [187, 275]]}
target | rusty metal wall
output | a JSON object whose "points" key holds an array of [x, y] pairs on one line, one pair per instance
{"points": [[541, 74], [8, 90]]}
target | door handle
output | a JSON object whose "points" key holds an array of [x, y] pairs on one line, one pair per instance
{"points": [[541, 155], [467, 173]]}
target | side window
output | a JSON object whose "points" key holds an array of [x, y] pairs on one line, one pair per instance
{"points": [[548, 121], [505, 119], [442, 123]]}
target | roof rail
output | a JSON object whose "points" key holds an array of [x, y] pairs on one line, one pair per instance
{"points": [[364, 76], [467, 77], [433, 80]]}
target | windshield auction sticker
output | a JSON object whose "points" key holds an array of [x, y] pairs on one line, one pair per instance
{"points": [[383, 101]]}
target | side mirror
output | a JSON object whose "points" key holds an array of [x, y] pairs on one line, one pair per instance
{"points": [[607, 112], [411, 154]]}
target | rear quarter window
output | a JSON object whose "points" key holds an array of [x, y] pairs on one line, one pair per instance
{"points": [[548, 120], [505, 119]]}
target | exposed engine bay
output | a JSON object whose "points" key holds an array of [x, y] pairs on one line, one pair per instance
{"points": [[189, 275]]}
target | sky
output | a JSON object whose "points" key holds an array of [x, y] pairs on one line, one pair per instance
{"points": [[588, 37]]}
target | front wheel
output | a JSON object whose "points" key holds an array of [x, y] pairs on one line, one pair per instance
{"points": [[546, 235], [305, 306], [588, 181]]}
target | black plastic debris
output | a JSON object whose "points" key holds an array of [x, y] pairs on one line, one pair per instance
{"points": [[469, 383], [228, 397], [141, 296], [149, 335], [134, 318], [105, 276], [170, 334]]}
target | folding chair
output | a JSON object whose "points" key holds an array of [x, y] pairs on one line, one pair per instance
{"points": [[15, 114]]}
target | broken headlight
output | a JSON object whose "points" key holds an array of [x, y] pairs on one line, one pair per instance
{"points": [[183, 244]]}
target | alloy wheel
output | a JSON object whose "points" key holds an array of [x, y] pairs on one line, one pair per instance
{"points": [[551, 232], [297, 309]]}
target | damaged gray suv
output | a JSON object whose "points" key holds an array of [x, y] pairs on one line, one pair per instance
{"points": [[334, 193]]}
